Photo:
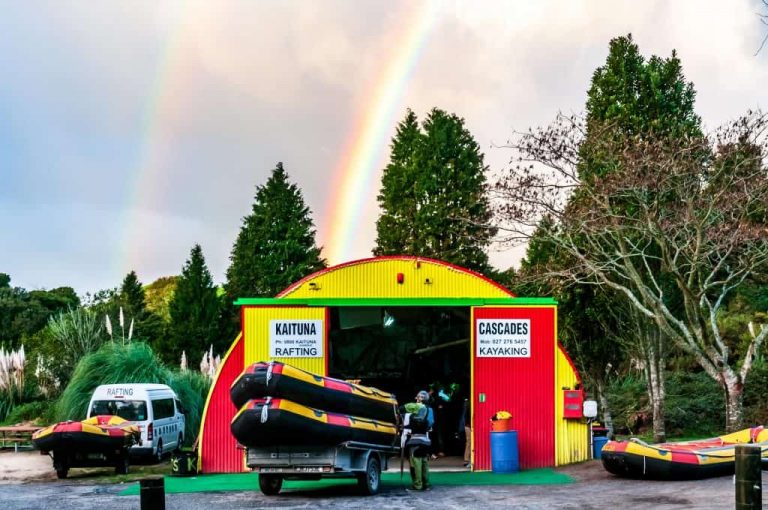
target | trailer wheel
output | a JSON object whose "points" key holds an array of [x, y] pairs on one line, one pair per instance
{"points": [[121, 467], [270, 484], [61, 466], [370, 481]]}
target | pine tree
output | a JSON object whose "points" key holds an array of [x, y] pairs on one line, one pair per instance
{"points": [[396, 229], [433, 194], [276, 245], [147, 326], [630, 97], [131, 297], [194, 311]]}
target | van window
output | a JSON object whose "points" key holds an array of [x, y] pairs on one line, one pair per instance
{"points": [[163, 408], [131, 410]]}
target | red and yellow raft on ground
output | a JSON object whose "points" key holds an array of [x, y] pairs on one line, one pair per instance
{"points": [[680, 461]]}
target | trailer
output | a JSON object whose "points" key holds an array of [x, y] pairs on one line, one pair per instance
{"points": [[65, 458], [350, 459]]}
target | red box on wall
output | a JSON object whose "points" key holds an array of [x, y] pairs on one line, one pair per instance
{"points": [[573, 400]]}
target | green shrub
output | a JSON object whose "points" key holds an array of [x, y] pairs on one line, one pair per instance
{"points": [[39, 412], [755, 396], [192, 389], [628, 401], [113, 363], [695, 405], [131, 363]]}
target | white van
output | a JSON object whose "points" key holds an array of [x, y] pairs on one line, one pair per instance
{"points": [[154, 407]]}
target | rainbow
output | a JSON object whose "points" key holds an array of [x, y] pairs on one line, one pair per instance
{"points": [[362, 155], [158, 117], [355, 172]]}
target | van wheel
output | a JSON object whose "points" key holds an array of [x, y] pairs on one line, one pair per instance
{"points": [[370, 481], [179, 443], [270, 485], [159, 452]]}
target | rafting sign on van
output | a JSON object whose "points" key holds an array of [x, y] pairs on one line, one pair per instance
{"points": [[296, 338]]}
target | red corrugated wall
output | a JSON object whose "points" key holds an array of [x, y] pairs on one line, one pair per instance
{"points": [[522, 386], [218, 448]]}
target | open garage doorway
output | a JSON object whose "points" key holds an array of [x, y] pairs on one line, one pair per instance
{"points": [[404, 350]]}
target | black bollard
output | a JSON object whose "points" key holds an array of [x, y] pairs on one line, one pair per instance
{"points": [[749, 478], [152, 492]]}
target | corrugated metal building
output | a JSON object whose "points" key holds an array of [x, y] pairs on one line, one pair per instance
{"points": [[512, 350]]}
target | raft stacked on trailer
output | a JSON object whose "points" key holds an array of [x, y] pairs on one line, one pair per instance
{"points": [[97, 441], [683, 460], [281, 404]]}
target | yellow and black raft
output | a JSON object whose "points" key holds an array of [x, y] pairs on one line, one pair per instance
{"points": [[281, 381], [275, 421], [97, 441], [680, 461]]}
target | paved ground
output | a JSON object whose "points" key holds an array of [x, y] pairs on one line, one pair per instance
{"points": [[593, 489]]}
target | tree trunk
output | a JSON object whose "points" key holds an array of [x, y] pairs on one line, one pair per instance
{"points": [[733, 389], [657, 395], [653, 349], [607, 418]]}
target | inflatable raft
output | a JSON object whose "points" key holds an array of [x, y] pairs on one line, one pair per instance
{"points": [[97, 434], [278, 380], [680, 461], [276, 421]]}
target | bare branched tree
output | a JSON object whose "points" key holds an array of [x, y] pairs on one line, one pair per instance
{"points": [[764, 21], [683, 219]]}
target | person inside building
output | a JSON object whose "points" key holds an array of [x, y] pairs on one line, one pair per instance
{"points": [[416, 425], [438, 400], [465, 427]]}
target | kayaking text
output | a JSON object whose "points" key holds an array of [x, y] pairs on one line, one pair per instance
{"points": [[503, 338], [296, 339]]}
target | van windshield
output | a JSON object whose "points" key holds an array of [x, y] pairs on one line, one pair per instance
{"points": [[131, 410]]}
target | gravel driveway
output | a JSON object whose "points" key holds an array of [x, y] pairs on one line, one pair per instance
{"points": [[593, 489]]}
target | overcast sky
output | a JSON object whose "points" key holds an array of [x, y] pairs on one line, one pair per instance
{"points": [[130, 131]]}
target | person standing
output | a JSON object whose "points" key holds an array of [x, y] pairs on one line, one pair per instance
{"points": [[466, 419], [419, 420]]}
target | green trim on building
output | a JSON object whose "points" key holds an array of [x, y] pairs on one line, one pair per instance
{"points": [[510, 301]]}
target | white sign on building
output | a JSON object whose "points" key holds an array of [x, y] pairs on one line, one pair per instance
{"points": [[296, 338], [503, 338]]}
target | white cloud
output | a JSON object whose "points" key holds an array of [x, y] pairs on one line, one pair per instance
{"points": [[223, 90]]}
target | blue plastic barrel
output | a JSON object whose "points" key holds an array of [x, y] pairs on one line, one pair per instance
{"points": [[597, 445], [504, 453]]}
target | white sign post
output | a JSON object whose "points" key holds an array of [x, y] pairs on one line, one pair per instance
{"points": [[503, 338], [296, 338]]}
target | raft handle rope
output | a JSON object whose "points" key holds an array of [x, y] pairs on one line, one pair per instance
{"points": [[265, 410], [270, 366]]}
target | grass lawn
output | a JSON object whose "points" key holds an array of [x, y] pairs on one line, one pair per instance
{"points": [[249, 481]]}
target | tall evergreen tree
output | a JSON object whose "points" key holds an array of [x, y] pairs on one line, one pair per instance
{"points": [[276, 245], [194, 311], [433, 194], [630, 97], [397, 228], [147, 326], [131, 297]]}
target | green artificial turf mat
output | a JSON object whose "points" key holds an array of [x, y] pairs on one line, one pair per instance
{"points": [[250, 482]]}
